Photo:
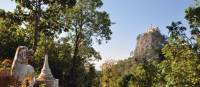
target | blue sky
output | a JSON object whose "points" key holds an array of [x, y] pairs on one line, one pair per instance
{"points": [[132, 17]]}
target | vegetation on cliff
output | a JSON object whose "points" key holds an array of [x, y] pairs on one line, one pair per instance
{"points": [[179, 65], [157, 60]]}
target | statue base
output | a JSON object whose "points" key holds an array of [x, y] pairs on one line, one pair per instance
{"points": [[48, 83]]}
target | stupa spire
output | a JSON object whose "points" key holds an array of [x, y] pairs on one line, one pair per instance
{"points": [[46, 71]]}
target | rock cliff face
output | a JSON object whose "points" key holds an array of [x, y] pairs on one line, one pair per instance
{"points": [[148, 45]]}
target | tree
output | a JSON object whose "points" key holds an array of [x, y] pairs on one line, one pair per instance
{"points": [[107, 74], [36, 17], [91, 76], [126, 80], [34, 20], [11, 34], [41, 16], [192, 15], [180, 66], [85, 23]]}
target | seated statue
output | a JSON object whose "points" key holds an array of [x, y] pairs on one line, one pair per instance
{"points": [[21, 70]]}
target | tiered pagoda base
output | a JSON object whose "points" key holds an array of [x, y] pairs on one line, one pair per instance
{"points": [[46, 78]]}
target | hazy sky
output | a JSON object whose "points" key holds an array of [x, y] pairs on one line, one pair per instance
{"points": [[132, 17]]}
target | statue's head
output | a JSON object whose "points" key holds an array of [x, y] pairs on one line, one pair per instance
{"points": [[30, 53], [21, 54]]}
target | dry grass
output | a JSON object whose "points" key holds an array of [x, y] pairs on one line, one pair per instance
{"points": [[5, 78]]}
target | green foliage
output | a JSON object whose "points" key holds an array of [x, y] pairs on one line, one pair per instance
{"points": [[180, 67], [44, 16], [34, 20], [125, 80], [11, 37], [42, 85], [85, 21], [192, 15], [176, 31], [84, 24]]}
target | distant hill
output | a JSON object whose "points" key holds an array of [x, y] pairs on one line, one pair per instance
{"points": [[148, 47]]}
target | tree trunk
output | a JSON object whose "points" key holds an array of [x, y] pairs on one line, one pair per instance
{"points": [[73, 79], [36, 26]]}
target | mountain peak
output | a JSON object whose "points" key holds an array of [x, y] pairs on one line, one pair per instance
{"points": [[152, 28], [149, 44]]}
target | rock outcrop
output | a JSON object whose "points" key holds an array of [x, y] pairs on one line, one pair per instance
{"points": [[149, 45]]}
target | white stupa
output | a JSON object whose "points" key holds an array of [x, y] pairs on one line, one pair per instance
{"points": [[152, 28], [46, 71], [46, 76]]}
